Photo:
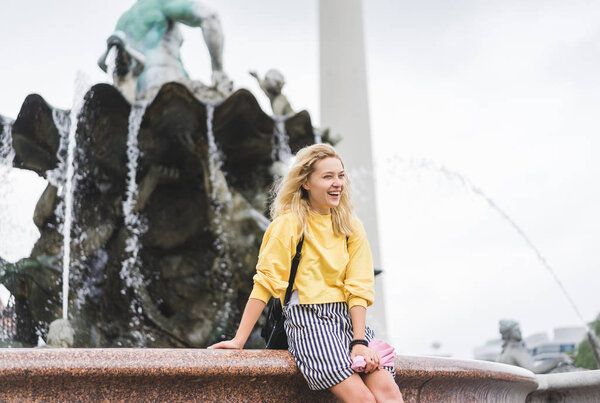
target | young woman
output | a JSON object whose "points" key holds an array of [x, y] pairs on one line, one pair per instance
{"points": [[334, 282]]}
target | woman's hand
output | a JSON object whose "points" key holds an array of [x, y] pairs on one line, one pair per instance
{"points": [[232, 344], [253, 309], [371, 357]]}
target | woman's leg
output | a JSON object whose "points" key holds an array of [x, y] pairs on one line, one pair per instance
{"points": [[382, 385], [353, 389]]}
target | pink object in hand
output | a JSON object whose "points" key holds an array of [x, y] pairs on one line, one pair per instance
{"points": [[359, 363], [386, 355]]}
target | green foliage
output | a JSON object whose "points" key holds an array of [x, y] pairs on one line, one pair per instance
{"points": [[585, 357]]}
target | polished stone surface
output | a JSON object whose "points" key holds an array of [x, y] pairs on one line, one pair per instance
{"points": [[230, 375], [581, 387], [436, 379]]}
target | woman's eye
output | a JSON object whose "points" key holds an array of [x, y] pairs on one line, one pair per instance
{"points": [[327, 176]]}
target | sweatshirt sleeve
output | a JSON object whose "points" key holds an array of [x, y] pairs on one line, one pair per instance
{"points": [[359, 284], [274, 262]]}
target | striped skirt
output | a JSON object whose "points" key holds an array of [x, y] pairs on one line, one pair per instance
{"points": [[318, 338]]}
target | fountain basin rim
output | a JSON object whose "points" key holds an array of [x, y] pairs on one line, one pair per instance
{"points": [[203, 362], [565, 380]]}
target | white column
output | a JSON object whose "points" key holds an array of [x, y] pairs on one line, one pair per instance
{"points": [[345, 111]]}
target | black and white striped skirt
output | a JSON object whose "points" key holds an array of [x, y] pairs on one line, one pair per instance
{"points": [[318, 338]]}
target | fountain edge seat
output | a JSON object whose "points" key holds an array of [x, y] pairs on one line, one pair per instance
{"points": [[232, 375], [206, 362]]}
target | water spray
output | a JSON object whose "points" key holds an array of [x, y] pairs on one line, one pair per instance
{"points": [[81, 88], [466, 183]]}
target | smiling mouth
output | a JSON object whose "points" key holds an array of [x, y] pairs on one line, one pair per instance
{"points": [[334, 194]]}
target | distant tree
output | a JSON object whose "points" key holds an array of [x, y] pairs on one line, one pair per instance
{"points": [[585, 357]]}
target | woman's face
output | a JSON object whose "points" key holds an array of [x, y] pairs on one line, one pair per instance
{"points": [[325, 185]]}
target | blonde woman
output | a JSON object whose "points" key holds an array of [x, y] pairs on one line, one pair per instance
{"points": [[325, 318]]}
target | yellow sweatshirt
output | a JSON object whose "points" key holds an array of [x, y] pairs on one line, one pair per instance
{"points": [[328, 271]]}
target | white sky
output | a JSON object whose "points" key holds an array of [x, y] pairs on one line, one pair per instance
{"points": [[505, 93]]}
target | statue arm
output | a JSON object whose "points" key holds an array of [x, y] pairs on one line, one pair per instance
{"points": [[262, 84], [119, 40], [197, 14], [525, 360]]}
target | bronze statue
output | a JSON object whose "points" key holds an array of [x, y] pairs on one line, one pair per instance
{"points": [[147, 40]]}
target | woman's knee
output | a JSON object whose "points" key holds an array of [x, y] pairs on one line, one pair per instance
{"points": [[360, 395], [387, 392], [384, 387], [353, 389], [365, 396], [390, 391]]}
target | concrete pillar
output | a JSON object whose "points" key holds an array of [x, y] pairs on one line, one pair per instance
{"points": [[345, 110]]}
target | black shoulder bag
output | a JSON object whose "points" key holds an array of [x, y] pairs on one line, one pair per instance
{"points": [[273, 331]]}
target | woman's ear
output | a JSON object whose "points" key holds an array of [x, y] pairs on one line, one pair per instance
{"points": [[305, 186]]}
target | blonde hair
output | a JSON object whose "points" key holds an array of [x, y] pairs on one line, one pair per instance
{"points": [[291, 197]]}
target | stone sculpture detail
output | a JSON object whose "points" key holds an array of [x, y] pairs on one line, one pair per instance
{"points": [[272, 85], [514, 352], [147, 41], [203, 221], [60, 334]]}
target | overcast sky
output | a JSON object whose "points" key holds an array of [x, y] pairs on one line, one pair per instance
{"points": [[505, 94]]}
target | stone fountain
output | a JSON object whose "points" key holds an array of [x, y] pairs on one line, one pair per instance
{"points": [[162, 203], [175, 290]]}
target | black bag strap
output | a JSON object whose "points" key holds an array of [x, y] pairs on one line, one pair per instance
{"points": [[295, 263]]}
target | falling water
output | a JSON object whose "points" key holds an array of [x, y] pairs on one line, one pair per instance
{"points": [[220, 195], [129, 269], [280, 141], [57, 176], [81, 87], [16, 234], [7, 154], [455, 176], [318, 136], [111, 61], [8, 322], [221, 198], [219, 192]]}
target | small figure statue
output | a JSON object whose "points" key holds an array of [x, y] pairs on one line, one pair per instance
{"points": [[514, 351], [272, 85], [148, 42]]}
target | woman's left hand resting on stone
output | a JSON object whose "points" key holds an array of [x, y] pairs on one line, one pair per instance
{"points": [[252, 312]]}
